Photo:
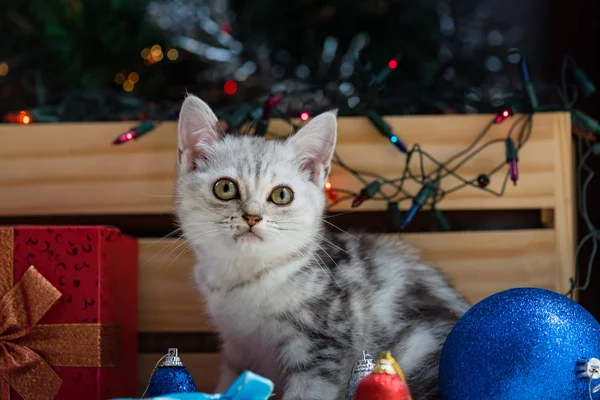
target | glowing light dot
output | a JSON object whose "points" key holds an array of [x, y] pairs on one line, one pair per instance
{"points": [[3, 69], [172, 54], [134, 77], [26, 119], [145, 53], [304, 116], [505, 113], [394, 139], [129, 136], [327, 185], [120, 78], [156, 53], [128, 85], [393, 64], [226, 27], [230, 87]]}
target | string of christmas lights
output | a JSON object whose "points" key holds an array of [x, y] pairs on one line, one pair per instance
{"points": [[586, 131], [431, 191]]}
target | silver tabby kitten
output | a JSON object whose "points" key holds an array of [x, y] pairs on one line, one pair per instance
{"points": [[290, 301]]}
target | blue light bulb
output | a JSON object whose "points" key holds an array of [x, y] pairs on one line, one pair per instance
{"points": [[394, 139]]}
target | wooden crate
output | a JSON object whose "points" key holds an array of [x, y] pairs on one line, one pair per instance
{"points": [[72, 169]]}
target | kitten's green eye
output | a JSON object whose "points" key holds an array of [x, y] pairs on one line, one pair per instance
{"points": [[225, 189], [282, 196]]}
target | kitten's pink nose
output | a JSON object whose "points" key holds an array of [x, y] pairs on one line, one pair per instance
{"points": [[251, 220]]}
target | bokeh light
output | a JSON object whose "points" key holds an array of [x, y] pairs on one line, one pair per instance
{"points": [[172, 54], [133, 77]]}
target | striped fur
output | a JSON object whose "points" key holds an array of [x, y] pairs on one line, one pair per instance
{"points": [[299, 305]]}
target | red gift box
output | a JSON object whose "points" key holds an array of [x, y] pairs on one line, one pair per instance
{"points": [[68, 313]]}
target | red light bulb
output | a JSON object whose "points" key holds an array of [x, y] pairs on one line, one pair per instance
{"points": [[502, 115], [226, 27], [304, 116], [393, 64], [230, 87], [330, 192], [127, 136], [22, 117]]}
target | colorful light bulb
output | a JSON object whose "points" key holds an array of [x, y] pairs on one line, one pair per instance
{"points": [[366, 193], [304, 116], [330, 192], [428, 190], [386, 130], [502, 115], [528, 84], [385, 72], [135, 133], [22, 117], [230, 87], [263, 123], [512, 159]]}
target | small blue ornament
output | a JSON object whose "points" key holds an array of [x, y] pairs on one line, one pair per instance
{"points": [[522, 344], [248, 386], [170, 377]]}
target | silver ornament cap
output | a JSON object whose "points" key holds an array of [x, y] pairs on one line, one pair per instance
{"points": [[172, 359], [363, 367]]}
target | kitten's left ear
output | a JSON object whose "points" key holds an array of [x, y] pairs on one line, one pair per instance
{"points": [[197, 130], [314, 145]]}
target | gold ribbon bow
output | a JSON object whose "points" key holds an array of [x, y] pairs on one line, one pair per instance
{"points": [[28, 349]]}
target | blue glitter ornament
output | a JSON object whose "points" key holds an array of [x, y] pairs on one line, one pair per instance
{"points": [[248, 386], [170, 377], [522, 344]]}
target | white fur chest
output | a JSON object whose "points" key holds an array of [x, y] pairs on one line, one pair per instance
{"points": [[248, 319], [249, 333]]}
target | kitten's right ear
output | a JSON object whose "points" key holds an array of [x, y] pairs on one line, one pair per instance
{"points": [[197, 130]]}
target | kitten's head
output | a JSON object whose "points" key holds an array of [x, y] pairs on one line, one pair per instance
{"points": [[242, 196]]}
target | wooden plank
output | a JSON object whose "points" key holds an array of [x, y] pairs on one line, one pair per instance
{"points": [[168, 299], [203, 367], [479, 264], [565, 208], [70, 169]]}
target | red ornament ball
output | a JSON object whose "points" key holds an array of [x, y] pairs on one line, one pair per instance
{"points": [[382, 386]]}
